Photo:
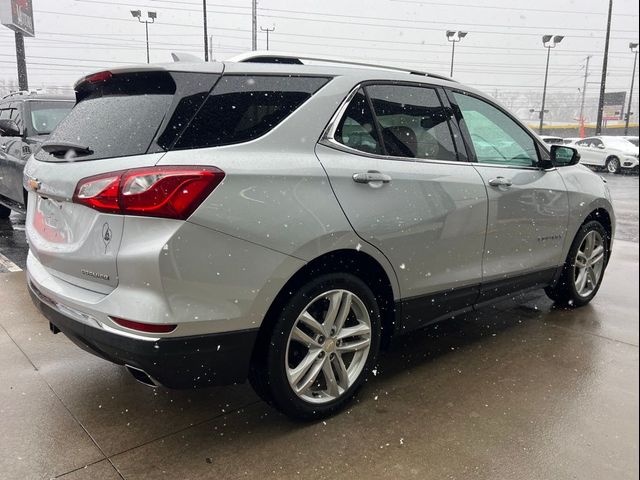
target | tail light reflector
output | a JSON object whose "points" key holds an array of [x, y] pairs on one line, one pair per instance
{"points": [[145, 327], [99, 77], [166, 192]]}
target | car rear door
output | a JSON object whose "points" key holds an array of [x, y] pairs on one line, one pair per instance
{"points": [[400, 180], [590, 152], [528, 206]]}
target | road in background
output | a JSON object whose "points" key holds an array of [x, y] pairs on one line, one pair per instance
{"points": [[624, 190]]}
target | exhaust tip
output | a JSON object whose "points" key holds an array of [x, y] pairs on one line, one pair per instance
{"points": [[142, 376]]}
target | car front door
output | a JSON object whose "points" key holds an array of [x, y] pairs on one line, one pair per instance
{"points": [[528, 206], [399, 178]]}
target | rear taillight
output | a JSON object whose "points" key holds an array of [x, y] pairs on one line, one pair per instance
{"points": [[166, 192], [145, 327], [99, 77]]}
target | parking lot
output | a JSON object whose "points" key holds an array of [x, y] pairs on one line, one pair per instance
{"points": [[520, 390]]}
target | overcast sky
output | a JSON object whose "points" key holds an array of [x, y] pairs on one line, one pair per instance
{"points": [[503, 50]]}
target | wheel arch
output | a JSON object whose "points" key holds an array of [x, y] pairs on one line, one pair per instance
{"points": [[602, 216], [355, 262]]}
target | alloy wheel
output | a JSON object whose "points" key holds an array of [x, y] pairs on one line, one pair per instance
{"points": [[328, 346], [589, 263], [613, 165]]}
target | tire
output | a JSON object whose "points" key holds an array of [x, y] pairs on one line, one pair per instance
{"points": [[4, 212], [567, 290], [613, 165], [281, 367]]}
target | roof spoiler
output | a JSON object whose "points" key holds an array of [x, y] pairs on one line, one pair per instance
{"points": [[185, 57]]}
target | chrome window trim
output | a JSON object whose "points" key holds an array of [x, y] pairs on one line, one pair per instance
{"points": [[29, 100]]}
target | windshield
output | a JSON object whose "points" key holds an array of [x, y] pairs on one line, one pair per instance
{"points": [[45, 116], [633, 141], [621, 143]]}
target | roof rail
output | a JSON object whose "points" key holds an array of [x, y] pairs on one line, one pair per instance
{"points": [[16, 93], [267, 56]]}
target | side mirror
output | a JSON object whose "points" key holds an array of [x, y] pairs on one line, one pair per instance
{"points": [[563, 156], [9, 128], [601, 147]]}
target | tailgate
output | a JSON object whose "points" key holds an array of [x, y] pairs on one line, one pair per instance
{"points": [[73, 242]]}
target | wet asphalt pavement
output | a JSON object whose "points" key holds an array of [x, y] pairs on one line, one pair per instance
{"points": [[521, 390]]}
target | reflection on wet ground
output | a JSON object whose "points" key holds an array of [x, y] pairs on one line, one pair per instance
{"points": [[624, 190], [13, 243]]}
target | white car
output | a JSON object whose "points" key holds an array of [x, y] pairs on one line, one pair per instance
{"points": [[551, 140], [610, 153]]}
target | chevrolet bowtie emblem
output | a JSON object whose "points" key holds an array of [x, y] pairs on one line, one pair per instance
{"points": [[34, 184]]}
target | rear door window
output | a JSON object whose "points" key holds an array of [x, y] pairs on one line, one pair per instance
{"points": [[242, 108], [15, 114], [357, 127], [413, 122]]}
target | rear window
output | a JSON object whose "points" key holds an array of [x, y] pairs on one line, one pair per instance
{"points": [[143, 112], [241, 108], [118, 117], [45, 116]]}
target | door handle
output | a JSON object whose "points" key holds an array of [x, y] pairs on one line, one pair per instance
{"points": [[500, 182], [372, 176]]}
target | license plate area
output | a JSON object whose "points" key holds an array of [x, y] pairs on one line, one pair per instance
{"points": [[49, 220]]}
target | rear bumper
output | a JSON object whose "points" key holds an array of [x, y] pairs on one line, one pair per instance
{"points": [[177, 362]]}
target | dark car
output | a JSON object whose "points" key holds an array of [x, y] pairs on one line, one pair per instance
{"points": [[26, 119]]}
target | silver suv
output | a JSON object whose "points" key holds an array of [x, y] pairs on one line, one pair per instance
{"points": [[203, 223]]}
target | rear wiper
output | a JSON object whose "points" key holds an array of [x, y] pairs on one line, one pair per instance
{"points": [[61, 148]]}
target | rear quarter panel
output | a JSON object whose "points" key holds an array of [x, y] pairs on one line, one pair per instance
{"points": [[275, 192]]}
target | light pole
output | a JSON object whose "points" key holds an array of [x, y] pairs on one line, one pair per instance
{"points": [[204, 30], [254, 25], [584, 96], [152, 18], [454, 37], [603, 79], [549, 42], [268, 30], [633, 46]]}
